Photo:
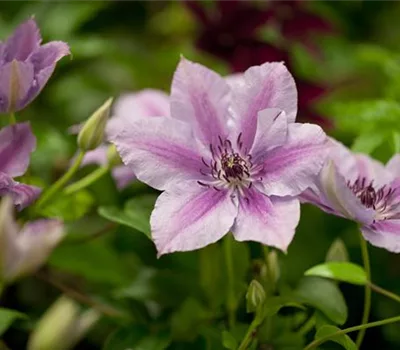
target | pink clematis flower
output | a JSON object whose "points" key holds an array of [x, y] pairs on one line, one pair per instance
{"points": [[362, 189], [25, 250], [145, 103], [16, 144], [229, 157], [26, 66]]}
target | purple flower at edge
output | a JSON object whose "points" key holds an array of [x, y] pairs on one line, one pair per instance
{"points": [[362, 189], [145, 103], [230, 157], [17, 142], [26, 66]]}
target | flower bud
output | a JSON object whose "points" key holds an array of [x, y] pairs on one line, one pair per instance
{"points": [[255, 296], [337, 251], [273, 264], [62, 326], [92, 132], [113, 157]]}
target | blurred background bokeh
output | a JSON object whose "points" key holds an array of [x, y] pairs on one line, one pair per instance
{"points": [[344, 56]]}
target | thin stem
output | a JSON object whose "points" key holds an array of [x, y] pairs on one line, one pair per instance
{"points": [[270, 283], [307, 326], [249, 335], [99, 233], [385, 292], [59, 184], [318, 342], [87, 180], [230, 301], [367, 293], [12, 118]]}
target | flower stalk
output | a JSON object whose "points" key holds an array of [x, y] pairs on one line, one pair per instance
{"points": [[87, 180], [230, 301]]}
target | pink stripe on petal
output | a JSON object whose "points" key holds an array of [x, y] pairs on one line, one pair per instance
{"points": [[161, 151], [384, 234], [267, 86], [190, 216], [269, 220], [200, 97]]}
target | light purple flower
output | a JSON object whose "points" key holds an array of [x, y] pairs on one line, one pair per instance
{"points": [[26, 66], [24, 250], [357, 187], [230, 157], [16, 144], [146, 103]]}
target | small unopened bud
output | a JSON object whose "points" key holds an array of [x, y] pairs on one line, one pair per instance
{"points": [[62, 326], [255, 296], [337, 251], [92, 132], [113, 157], [273, 266]]}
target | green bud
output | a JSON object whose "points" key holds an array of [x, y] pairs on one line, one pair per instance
{"points": [[113, 157], [62, 326], [92, 133], [337, 251], [273, 264], [255, 297]]}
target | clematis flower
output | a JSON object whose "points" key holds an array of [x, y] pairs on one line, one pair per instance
{"points": [[145, 103], [362, 189], [24, 250], [16, 144], [26, 66], [229, 158]]}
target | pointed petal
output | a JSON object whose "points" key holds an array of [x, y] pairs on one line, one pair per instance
{"points": [[48, 55], [267, 86], [189, 217], [148, 102], [290, 169], [272, 129], [201, 97], [384, 234], [123, 176], [35, 242], [25, 39], [159, 150], [23, 195], [372, 170], [269, 220], [17, 142]]}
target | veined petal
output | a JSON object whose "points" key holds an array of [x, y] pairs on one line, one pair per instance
{"points": [[272, 129], [48, 55], [159, 150], [35, 243], [269, 220], [25, 39], [200, 97], [291, 168], [373, 170], [123, 176], [189, 216], [384, 234], [17, 142], [148, 102], [267, 86]]}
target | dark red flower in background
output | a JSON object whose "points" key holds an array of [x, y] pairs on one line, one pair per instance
{"points": [[230, 31]]}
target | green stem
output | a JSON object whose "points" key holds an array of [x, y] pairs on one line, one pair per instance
{"points": [[307, 326], [230, 302], [270, 283], [87, 180], [367, 293], [385, 292], [59, 184], [249, 335], [12, 118], [318, 342]]}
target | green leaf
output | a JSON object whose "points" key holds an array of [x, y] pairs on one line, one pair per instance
{"points": [[229, 341], [340, 271], [7, 317], [323, 295], [159, 341], [69, 208], [368, 142], [136, 213], [343, 339], [337, 251], [321, 320], [125, 338], [275, 304]]}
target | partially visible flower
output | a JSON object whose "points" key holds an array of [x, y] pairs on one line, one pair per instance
{"points": [[23, 250], [230, 157], [26, 66], [362, 189], [230, 31], [145, 103], [16, 144]]}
